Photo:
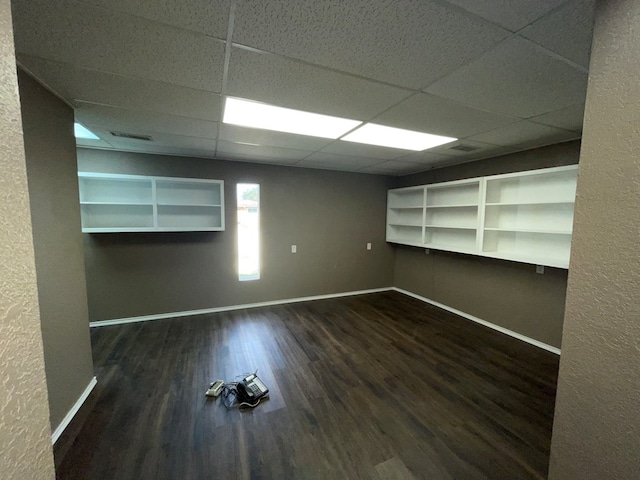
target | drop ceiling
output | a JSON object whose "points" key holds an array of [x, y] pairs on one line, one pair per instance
{"points": [[502, 76]]}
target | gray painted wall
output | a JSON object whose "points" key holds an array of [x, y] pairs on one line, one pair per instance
{"points": [[508, 294], [330, 216], [25, 434], [55, 215], [596, 433]]}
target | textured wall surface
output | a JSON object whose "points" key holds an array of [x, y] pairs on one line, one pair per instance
{"points": [[50, 149], [508, 294], [596, 432], [330, 216], [25, 435]]}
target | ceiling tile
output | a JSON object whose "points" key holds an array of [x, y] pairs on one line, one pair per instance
{"points": [[210, 17], [193, 143], [523, 133], [567, 31], [100, 39], [190, 152], [543, 142], [92, 86], [155, 67], [510, 14], [569, 118], [449, 161], [428, 113], [187, 152], [396, 168], [341, 147], [233, 133], [338, 162], [88, 142], [135, 121], [258, 153], [167, 150], [516, 78], [427, 157], [288, 83], [158, 139], [494, 152], [384, 39]]}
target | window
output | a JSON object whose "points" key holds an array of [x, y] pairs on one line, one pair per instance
{"points": [[248, 201]]}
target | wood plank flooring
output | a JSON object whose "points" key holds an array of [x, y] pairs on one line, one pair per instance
{"points": [[377, 386]]}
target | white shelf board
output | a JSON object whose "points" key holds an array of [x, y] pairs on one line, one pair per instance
{"points": [[113, 176], [456, 227], [528, 230], [404, 242], [449, 248], [461, 205], [188, 229], [188, 205], [498, 204], [398, 224], [132, 204], [531, 259], [404, 207], [150, 229], [118, 229]]}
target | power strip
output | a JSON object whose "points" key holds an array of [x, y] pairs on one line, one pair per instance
{"points": [[215, 388]]}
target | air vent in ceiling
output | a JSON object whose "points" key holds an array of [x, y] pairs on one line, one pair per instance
{"points": [[464, 148], [133, 136]]}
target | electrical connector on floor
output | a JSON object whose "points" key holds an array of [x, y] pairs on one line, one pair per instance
{"points": [[215, 388]]}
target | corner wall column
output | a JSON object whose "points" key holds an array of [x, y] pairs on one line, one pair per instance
{"points": [[596, 432]]}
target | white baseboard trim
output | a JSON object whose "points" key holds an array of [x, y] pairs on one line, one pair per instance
{"points": [[76, 406], [189, 313], [500, 329]]}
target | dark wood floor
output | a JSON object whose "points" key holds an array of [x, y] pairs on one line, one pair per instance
{"points": [[377, 386]]}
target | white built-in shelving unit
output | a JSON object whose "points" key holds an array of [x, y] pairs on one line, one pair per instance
{"points": [[524, 216], [451, 220], [405, 215], [138, 203]]}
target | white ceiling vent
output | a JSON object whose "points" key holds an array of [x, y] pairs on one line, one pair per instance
{"points": [[463, 148], [133, 136]]}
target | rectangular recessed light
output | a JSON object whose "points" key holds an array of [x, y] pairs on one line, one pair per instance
{"points": [[382, 136], [82, 132], [268, 117]]}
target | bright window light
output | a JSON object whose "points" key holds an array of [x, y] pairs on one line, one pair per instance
{"points": [[82, 132], [260, 115], [382, 136], [248, 204]]}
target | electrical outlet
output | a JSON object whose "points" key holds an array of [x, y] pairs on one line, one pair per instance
{"points": [[427, 251], [540, 269], [294, 248], [369, 246]]}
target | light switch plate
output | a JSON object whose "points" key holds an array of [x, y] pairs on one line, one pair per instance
{"points": [[294, 248]]}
